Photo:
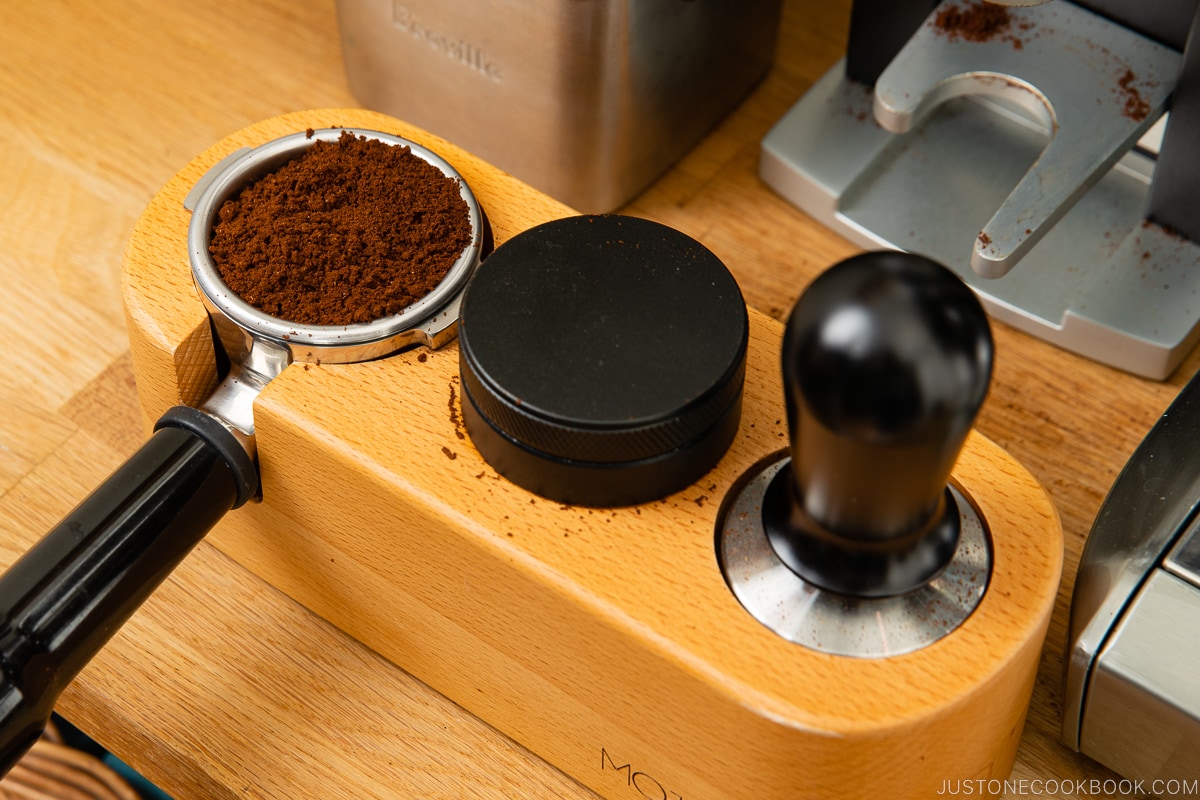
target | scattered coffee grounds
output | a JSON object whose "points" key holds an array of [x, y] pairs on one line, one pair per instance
{"points": [[1136, 107], [979, 21], [351, 231]]}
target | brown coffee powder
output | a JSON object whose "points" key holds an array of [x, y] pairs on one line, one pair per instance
{"points": [[978, 21], [352, 231], [1133, 104]]}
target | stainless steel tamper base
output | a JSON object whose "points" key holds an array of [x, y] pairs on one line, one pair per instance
{"points": [[834, 623]]}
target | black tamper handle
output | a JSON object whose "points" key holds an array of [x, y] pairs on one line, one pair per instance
{"points": [[886, 361], [66, 597]]}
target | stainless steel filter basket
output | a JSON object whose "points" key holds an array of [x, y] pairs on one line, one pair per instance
{"points": [[586, 100]]}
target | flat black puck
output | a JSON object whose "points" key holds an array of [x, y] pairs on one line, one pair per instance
{"points": [[602, 360]]}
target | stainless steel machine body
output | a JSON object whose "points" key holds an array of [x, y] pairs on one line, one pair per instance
{"points": [[586, 100], [1131, 698]]}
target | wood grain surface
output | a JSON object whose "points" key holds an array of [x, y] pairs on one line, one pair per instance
{"points": [[221, 686]]}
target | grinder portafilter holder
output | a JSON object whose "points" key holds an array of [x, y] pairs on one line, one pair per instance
{"points": [[857, 544], [64, 599], [990, 138]]}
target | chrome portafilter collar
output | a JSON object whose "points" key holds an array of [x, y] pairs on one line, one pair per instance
{"points": [[260, 346], [430, 320]]}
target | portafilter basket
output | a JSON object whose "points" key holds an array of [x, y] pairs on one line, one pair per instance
{"points": [[430, 320], [64, 598]]}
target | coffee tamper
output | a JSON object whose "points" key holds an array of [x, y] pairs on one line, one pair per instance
{"points": [[862, 546]]}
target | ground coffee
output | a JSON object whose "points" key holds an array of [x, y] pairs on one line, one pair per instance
{"points": [[976, 22], [1133, 104], [352, 231]]}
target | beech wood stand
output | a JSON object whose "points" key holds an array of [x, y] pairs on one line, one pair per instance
{"points": [[605, 640]]}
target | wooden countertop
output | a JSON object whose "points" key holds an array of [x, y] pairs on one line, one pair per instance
{"points": [[221, 686]]}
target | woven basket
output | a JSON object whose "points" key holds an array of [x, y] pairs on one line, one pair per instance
{"points": [[53, 771]]}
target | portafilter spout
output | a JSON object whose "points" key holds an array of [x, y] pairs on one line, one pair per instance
{"points": [[66, 597]]}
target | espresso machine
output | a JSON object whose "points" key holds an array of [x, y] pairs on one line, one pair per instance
{"points": [[1048, 152]]}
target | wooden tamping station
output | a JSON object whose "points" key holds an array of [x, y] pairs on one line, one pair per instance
{"points": [[606, 638]]}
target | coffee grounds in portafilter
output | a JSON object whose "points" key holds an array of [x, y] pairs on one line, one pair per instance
{"points": [[352, 231]]}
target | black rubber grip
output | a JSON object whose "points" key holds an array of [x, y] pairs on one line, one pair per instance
{"points": [[63, 600]]}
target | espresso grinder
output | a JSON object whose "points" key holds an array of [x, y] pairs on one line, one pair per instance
{"points": [[1049, 153]]}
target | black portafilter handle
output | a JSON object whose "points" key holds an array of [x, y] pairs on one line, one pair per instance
{"points": [[67, 596], [886, 361]]}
